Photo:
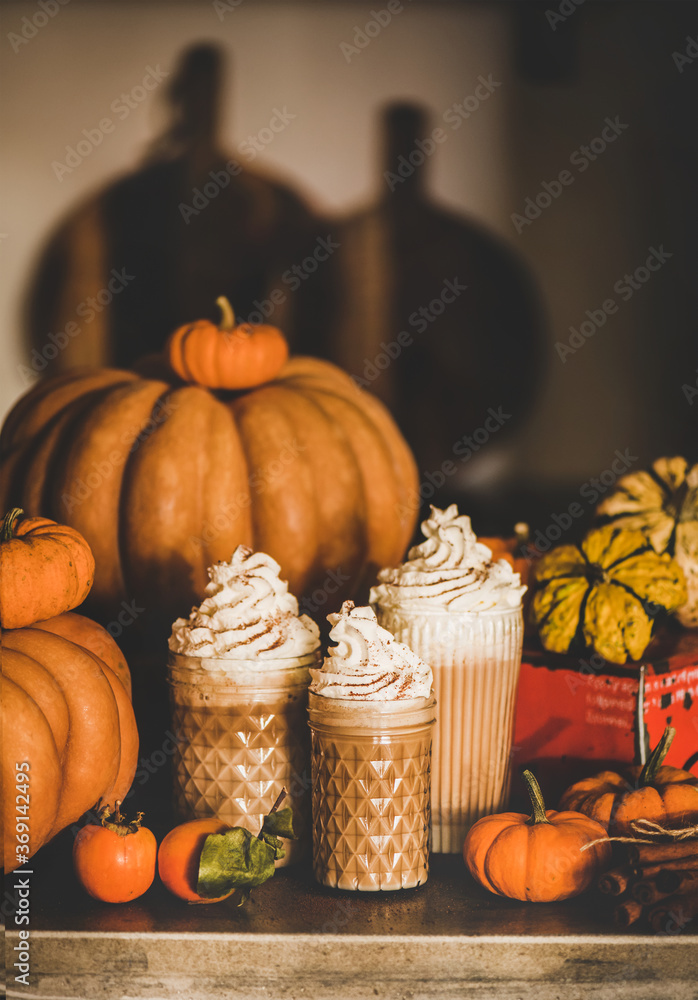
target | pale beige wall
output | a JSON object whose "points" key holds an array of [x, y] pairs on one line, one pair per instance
{"points": [[288, 54]]}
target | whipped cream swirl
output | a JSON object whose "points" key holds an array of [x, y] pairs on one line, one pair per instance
{"points": [[247, 613], [368, 663], [449, 570]]}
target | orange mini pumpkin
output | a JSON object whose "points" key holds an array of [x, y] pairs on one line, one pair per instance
{"points": [[666, 795], [538, 857], [45, 569], [227, 356]]}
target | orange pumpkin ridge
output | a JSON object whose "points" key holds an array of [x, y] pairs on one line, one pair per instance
{"points": [[66, 714]]}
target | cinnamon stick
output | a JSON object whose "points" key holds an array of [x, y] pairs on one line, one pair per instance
{"points": [[639, 854], [673, 913], [615, 881], [648, 892], [650, 870], [627, 913], [677, 881]]}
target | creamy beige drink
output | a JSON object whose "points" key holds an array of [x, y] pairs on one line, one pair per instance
{"points": [[461, 613], [239, 675], [371, 718]]}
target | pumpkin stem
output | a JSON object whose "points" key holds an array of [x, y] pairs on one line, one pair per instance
{"points": [[536, 797], [116, 822], [649, 771], [227, 322], [7, 532]]}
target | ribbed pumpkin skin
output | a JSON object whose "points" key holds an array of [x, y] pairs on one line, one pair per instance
{"points": [[537, 862], [45, 569], [163, 480], [663, 502], [615, 801], [67, 714], [605, 585]]}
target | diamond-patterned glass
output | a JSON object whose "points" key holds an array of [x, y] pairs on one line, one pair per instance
{"points": [[232, 760], [364, 836]]}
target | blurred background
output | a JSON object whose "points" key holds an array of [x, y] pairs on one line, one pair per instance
{"points": [[486, 212]]}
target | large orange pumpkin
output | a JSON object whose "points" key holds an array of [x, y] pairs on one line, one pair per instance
{"points": [[666, 795], [69, 718], [164, 479], [45, 569]]}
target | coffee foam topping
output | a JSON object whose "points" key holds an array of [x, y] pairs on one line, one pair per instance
{"points": [[247, 613], [449, 570], [368, 663]]}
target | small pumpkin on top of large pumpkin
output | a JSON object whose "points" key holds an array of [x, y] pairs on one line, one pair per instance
{"points": [[164, 478], [607, 592], [229, 355]]}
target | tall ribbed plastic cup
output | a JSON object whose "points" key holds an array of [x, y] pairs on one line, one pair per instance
{"points": [[241, 736], [371, 764], [476, 658]]}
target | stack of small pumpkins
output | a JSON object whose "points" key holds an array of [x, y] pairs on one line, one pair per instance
{"points": [[68, 724], [553, 855]]}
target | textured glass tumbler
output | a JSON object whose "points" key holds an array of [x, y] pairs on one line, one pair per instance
{"points": [[241, 736], [476, 659], [371, 765]]}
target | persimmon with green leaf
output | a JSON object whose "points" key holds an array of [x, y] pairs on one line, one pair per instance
{"points": [[207, 861], [543, 857]]}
